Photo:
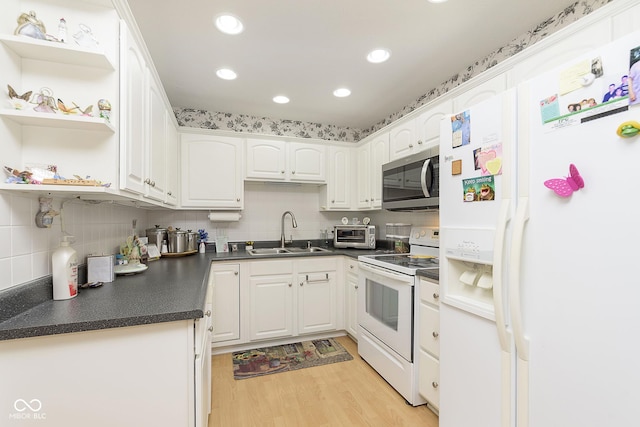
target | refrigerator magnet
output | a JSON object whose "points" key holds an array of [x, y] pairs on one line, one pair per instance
{"points": [[565, 187], [628, 129], [456, 167]]}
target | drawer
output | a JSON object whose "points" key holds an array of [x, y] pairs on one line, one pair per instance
{"points": [[429, 291], [430, 329], [429, 378]]}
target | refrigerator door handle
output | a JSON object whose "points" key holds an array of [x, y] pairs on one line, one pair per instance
{"points": [[498, 285], [521, 218]]}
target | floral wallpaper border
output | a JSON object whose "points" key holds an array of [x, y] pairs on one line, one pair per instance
{"points": [[263, 125]]}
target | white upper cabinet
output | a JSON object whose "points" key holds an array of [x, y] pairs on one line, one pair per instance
{"points": [[307, 162], [276, 160], [171, 162], [211, 168], [480, 92], [266, 159], [337, 194], [402, 140], [428, 124], [369, 160], [155, 176]]}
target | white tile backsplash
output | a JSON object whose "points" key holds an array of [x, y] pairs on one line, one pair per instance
{"points": [[26, 251]]}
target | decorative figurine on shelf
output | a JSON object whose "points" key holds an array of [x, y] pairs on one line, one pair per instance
{"points": [[30, 26], [105, 109], [16, 176], [85, 38], [46, 102], [18, 102], [62, 30], [65, 109], [86, 112]]}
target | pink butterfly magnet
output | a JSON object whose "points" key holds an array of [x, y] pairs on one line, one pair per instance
{"points": [[564, 187]]}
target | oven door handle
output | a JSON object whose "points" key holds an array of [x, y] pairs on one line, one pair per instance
{"points": [[386, 273]]}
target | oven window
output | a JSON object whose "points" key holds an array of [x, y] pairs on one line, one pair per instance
{"points": [[382, 303]]}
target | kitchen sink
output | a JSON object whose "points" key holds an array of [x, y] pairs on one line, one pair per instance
{"points": [[307, 250], [276, 251], [268, 251]]}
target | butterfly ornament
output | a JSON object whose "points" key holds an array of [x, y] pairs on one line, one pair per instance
{"points": [[18, 102], [565, 187]]}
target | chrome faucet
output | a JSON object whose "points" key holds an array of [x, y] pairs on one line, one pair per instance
{"points": [[293, 223]]}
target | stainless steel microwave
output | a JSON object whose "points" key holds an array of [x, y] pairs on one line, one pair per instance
{"points": [[412, 183], [354, 236]]}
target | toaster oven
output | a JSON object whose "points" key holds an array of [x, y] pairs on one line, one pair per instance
{"points": [[354, 236]]}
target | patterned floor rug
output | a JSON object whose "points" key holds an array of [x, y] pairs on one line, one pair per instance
{"points": [[281, 358]]}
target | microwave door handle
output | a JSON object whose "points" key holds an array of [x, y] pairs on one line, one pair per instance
{"points": [[423, 177]]}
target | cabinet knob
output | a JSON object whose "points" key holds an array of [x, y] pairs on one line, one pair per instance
{"points": [[290, 285], [351, 266], [436, 295], [434, 384], [333, 201], [410, 145], [210, 328], [301, 283], [282, 172], [435, 334], [235, 273], [293, 172], [419, 142], [238, 199], [147, 181], [356, 286], [153, 183], [169, 193], [208, 313]]}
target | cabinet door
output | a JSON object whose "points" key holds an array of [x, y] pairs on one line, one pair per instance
{"points": [[211, 171], [363, 163], [379, 156], [133, 95], [429, 378], [339, 181], [479, 93], [402, 140], [316, 302], [270, 307], [171, 163], [225, 282], [266, 159], [429, 329], [307, 162], [428, 124], [157, 143], [351, 279]]}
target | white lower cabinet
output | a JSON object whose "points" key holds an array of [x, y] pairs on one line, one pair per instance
{"points": [[351, 297], [429, 340], [293, 297], [225, 281], [202, 380], [270, 299], [317, 295]]}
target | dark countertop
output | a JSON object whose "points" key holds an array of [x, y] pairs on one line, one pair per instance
{"points": [[171, 289]]}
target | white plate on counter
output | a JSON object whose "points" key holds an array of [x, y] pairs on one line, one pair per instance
{"points": [[129, 268]]}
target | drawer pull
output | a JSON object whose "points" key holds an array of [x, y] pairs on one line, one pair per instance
{"points": [[326, 279]]}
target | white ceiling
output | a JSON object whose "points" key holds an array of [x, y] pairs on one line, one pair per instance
{"points": [[305, 49]]}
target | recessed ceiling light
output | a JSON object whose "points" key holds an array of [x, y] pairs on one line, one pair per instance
{"points": [[280, 99], [342, 92], [378, 55], [226, 74], [436, 1], [229, 24]]}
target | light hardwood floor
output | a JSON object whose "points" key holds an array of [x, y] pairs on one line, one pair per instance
{"points": [[340, 394]]}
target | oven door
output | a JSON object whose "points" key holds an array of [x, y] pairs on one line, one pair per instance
{"points": [[385, 307]]}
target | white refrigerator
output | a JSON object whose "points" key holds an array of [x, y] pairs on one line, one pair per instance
{"points": [[539, 253]]}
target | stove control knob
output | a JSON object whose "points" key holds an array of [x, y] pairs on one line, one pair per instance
{"points": [[423, 233], [417, 235]]}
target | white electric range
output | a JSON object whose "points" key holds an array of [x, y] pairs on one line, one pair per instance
{"points": [[387, 303]]}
